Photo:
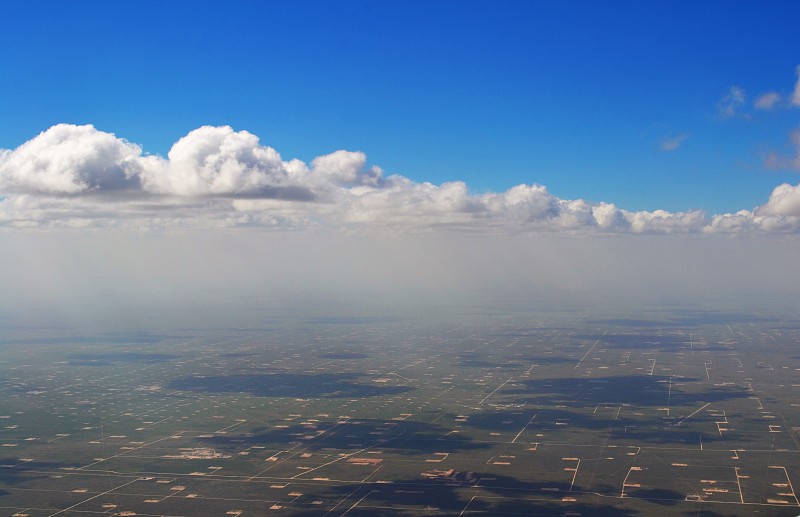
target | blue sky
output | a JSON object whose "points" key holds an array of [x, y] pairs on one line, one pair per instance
{"points": [[576, 96]]}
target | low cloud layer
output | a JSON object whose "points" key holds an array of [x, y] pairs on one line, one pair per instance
{"points": [[78, 176]]}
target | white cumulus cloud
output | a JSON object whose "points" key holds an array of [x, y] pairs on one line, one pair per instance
{"points": [[784, 201], [216, 177], [220, 161], [345, 168], [69, 159]]}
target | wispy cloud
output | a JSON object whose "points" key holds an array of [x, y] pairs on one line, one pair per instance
{"points": [[730, 105], [672, 143], [795, 98], [775, 160], [771, 100], [767, 101]]}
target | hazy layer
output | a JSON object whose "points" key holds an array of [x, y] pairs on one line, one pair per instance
{"points": [[241, 277]]}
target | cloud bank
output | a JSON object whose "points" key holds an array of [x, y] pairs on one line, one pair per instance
{"points": [[78, 176]]}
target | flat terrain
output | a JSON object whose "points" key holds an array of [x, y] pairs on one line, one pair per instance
{"points": [[662, 411]]}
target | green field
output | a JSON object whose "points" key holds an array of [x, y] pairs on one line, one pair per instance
{"points": [[658, 411]]}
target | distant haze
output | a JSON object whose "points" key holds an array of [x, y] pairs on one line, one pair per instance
{"points": [[226, 278]]}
